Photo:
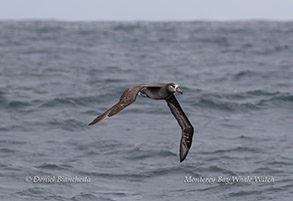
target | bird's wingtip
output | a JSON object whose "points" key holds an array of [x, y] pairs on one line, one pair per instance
{"points": [[98, 119], [93, 122], [183, 152], [182, 158]]}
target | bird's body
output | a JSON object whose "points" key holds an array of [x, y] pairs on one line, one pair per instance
{"points": [[160, 91], [155, 91]]}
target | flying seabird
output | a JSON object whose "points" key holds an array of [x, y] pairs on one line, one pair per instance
{"points": [[161, 91]]}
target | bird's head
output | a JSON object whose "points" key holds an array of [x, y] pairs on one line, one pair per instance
{"points": [[173, 87]]}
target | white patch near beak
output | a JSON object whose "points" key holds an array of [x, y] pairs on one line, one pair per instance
{"points": [[176, 86]]}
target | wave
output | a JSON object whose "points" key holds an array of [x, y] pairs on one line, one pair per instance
{"points": [[234, 150], [18, 104], [132, 153], [70, 101], [39, 193], [7, 151], [245, 74], [242, 193], [227, 106], [277, 100], [11, 142], [68, 124], [51, 166], [268, 170], [88, 196], [138, 154], [242, 101], [139, 174]]}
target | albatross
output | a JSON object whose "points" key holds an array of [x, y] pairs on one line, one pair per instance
{"points": [[160, 91]]}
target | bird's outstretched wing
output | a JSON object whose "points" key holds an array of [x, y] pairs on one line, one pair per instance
{"points": [[128, 97], [187, 128]]}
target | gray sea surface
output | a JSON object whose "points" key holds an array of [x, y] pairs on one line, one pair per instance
{"points": [[56, 77]]}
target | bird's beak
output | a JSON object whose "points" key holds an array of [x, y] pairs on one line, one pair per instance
{"points": [[179, 90]]}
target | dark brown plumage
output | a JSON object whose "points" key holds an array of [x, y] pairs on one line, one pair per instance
{"points": [[187, 128], [159, 91]]}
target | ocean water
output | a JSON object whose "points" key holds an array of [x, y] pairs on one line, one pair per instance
{"points": [[56, 77]]}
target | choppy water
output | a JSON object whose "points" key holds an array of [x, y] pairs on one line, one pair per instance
{"points": [[55, 77]]}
